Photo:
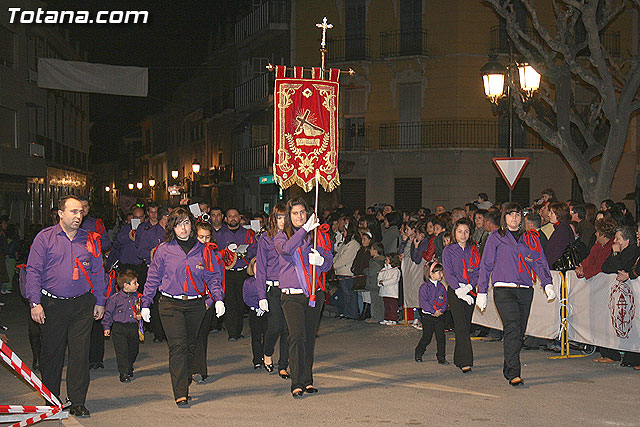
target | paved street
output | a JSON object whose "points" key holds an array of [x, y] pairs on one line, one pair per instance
{"points": [[366, 376]]}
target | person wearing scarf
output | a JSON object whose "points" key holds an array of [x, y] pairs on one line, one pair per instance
{"points": [[189, 280], [512, 261], [301, 300], [460, 260]]}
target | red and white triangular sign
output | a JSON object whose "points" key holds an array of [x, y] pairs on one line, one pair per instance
{"points": [[511, 168]]}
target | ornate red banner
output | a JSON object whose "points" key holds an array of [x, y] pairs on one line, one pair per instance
{"points": [[306, 129]]}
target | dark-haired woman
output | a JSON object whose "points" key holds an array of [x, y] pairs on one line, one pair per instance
{"points": [[460, 260], [189, 280], [301, 303], [509, 259], [267, 281], [342, 263], [559, 216], [391, 232]]}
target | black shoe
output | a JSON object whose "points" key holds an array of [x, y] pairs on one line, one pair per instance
{"points": [[269, 367], [130, 373], [125, 378], [466, 369], [310, 389], [183, 403], [232, 339], [257, 365], [239, 337], [418, 358], [443, 362], [158, 339], [518, 383], [99, 365], [297, 393], [285, 376], [92, 366], [79, 411]]}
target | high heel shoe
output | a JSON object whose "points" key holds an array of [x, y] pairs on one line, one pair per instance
{"points": [[296, 393], [310, 389], [269, 367], [284, 376]]}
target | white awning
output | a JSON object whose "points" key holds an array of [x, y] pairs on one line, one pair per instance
{"points": [[95, 78]]}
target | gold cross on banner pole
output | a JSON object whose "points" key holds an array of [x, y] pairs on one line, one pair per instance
{"points": [[325, 26]]}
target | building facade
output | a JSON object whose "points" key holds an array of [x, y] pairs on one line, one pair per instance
{"points": [[44, 134]]}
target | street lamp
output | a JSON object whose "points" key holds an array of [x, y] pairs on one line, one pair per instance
{"points": [[195, 167], [139, 185], [174, 174], [131, 186], [493, 79], [107, 188], [152, 182]]}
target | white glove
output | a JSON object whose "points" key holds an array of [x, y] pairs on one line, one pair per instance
{"points": [[311, 223], [481, 301], [219, 308], [146, 314], [469, 287], [263, 304], [550, 292], [468, 299], [462, 291], [259, 312], [315, 258]]}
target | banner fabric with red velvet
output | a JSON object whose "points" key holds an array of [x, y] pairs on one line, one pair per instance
{"points": [[306, 129]]}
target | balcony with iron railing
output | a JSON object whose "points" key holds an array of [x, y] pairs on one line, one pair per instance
{"points": [[252, 159], [403, 43], [274, 14], [450, 134], [255, 90], [500, 40], [352, 48], [434, 134]]}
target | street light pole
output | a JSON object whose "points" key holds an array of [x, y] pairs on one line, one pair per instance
{"points": [[493, 77]]}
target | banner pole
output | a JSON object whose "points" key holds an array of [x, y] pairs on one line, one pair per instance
{"points": [[315, 240]]}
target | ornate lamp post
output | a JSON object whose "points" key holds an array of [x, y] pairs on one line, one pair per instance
{"points": [[494, 75]]}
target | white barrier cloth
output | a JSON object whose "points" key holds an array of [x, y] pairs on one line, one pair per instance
{"points": [[544, 318], [603, 312], [96, 78]]}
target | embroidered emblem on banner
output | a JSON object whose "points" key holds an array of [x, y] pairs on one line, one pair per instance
{"points": [[306, 129], [622, 308]]}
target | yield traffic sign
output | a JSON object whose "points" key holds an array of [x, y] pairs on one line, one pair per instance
{"points": [[511, 168]]}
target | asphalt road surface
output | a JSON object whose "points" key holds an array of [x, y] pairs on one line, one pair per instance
{"points": [[366, 376]]}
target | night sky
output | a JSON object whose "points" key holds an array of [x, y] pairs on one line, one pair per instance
{"points": [[175, 38]]}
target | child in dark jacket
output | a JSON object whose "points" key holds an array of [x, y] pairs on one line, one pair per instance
{"points": [[120, 322], [433, 304]]}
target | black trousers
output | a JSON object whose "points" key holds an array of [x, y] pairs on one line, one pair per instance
{"points": [[156, 321], [96, 349], [35, 340], [258, 325], [233, 302], [126, 344], [431, 324], [302, 321], [514, 305], [461, 313], [181, 321], [68, 323], [276, 328], [202, 343]]}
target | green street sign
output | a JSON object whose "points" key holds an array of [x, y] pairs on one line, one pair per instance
{"points": [[266, 179]]}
